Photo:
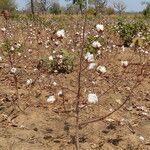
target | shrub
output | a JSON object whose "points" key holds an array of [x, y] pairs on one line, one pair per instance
{"points": [[146, 11], [7, 5], [55, 8], [90, 40], [128, 31], [110, 11], [61, 62], [90, 11]]}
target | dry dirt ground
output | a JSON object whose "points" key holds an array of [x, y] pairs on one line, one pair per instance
{"points": [[42, 126]]}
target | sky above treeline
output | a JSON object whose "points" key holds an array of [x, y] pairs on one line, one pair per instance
{"points": [[131, 5]]}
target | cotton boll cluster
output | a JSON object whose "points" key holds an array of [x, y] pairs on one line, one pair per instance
{"points": [[92, 98], [101, 69], [60, 33], [89, 57], [96, 44], [99, 27]]}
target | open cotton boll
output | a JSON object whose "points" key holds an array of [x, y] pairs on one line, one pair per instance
{"points": [[1, 58], [101, 69], [12, 48], [54, 83], [51, 99], [141, 138], [92, 66], [3, 29], [13, 70], [89, 57], [124, 63], [18, 45], [99, 27], [29, 81], [60, 93], [60, 33], [50, 58], [96, 44], [92, 98]]}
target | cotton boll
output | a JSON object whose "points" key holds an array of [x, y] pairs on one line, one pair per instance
{"points": [[60, 33], [1, 58], [51, 99], [141, 138], [99, 27], [18, 45], [13, 70], [56, 43], [92, 98], [92, 66], [29, 50], [96, 44], [50, 58], [101, 69], [89, 57], [3, 29], [29, 81], [124, 63], [54, 83], [19, 54], [99, 52], [60, 93], [12, 48]]}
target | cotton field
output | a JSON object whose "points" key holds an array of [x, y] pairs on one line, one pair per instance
{"points": [[74, 80]]}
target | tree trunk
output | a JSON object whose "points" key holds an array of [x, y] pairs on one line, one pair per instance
{"points": [[32, 6], [80, 6]]}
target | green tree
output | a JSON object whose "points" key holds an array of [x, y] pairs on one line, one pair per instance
{"points": [[119, 5], [146, 11], [99, 5], [55, 8], [7, 5]]}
